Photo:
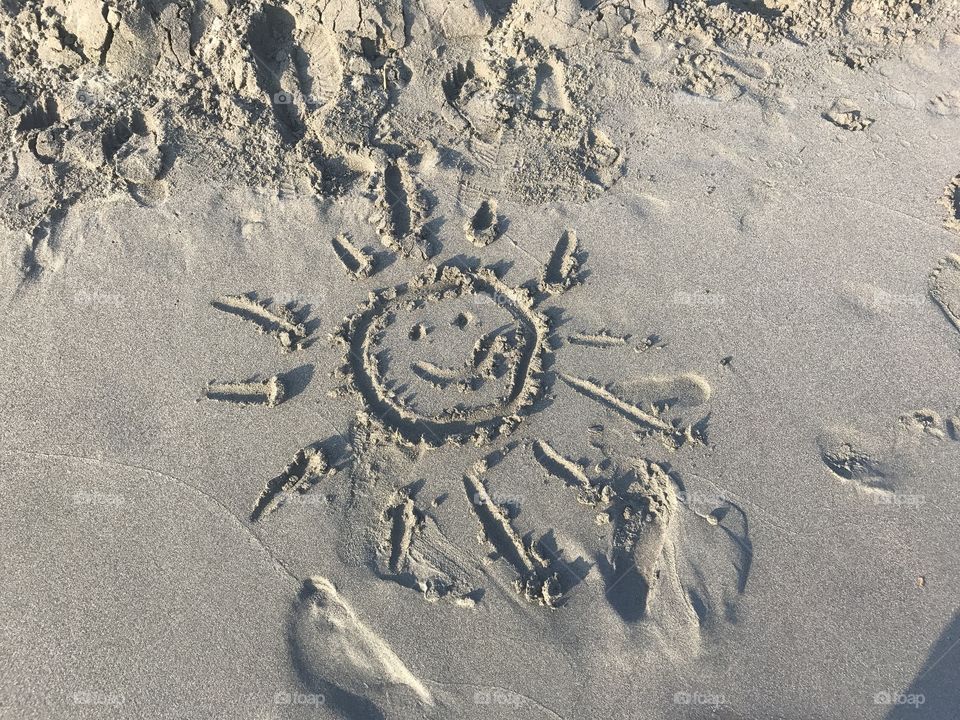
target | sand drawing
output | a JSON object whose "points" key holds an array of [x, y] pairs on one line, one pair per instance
{"points": [[452, 356], [523, 351], [403, 211], [456, 356], [414, 553], [307, 468], [278, 322], [357, 262], [601, 339], [535, 581], [561, 272], [568, 471], [269, 392], [648, 420]]}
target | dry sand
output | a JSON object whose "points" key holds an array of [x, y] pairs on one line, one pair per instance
{"points": [[485, 359]]}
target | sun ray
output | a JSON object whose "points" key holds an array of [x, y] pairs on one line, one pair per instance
{"points": [[567, 470], [562, 271], [308, 466], [279, 322], [536, 582], [607, 398], [357, 262], [270, 392], [602, 339]]}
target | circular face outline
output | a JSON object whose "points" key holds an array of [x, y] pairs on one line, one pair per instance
{"points": [[481, 423]]}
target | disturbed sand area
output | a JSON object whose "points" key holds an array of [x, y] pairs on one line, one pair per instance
{"points": [[501, 359]]}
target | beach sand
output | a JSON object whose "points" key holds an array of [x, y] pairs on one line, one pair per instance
{"points": [[486, 359]]}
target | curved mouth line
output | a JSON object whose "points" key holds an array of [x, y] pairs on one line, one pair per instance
{"points": [[483, 357]]}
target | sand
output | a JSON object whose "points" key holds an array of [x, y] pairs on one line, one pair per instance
{"points": [[485, 359]]}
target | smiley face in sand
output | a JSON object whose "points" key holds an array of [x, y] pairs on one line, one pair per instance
{"points": [[452, 356], [455, 356]]}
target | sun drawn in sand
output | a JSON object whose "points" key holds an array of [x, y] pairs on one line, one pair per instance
{"points": [[457, 356]]}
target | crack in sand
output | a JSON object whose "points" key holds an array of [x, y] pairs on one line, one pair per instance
{"points": [[210, 499]]}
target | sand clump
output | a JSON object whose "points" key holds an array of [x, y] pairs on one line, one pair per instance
{"points": [[104, 99]]}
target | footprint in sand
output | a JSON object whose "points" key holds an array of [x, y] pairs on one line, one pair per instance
{"points": [[338, 654], [944, 287]]}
